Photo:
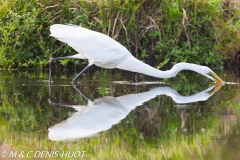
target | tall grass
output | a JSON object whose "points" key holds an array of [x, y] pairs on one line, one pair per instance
{"points": [[157, 31]]}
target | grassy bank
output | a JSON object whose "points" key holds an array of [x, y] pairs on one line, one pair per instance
{"points": [[157, 32]]}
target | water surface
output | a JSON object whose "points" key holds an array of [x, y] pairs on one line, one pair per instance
{"points": [[114, 115]]}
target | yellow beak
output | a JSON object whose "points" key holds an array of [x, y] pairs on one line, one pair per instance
{"points": [[216, 78]]}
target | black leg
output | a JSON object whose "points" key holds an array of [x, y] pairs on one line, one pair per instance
{"points": [[50, 65], [84, 69], [50, 70], [62, 104], [50, 97], [85, 97]]}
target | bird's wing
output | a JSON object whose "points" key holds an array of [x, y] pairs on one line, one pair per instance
{"points": [[95, 46]]}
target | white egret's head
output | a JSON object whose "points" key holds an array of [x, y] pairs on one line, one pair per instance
{"points": [[210, 74], [203, 70]]}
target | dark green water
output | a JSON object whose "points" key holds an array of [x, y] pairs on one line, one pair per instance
{"points": [[113, 115]]}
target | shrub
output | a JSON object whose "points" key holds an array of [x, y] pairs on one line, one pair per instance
{"points": [[155, 31]]}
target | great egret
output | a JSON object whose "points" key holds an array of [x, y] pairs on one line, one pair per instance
{"points": [[104, 51], [102, 113]]}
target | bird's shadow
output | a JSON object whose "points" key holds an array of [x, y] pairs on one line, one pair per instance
{"points": [[104, 112]]}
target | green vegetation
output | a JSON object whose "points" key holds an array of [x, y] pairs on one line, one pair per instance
{"points": [[156, 130], [156, 31]]}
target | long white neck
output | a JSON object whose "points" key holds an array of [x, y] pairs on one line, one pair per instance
{"points": [[132, 64], [133, 100]]}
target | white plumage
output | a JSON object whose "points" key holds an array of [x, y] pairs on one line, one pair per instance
{"points": [[102, 113], [104, 51]]}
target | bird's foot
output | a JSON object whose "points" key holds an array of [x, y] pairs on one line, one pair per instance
{"points": [[50, 102], [74, 81]]}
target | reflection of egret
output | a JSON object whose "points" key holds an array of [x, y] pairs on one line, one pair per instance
{"points": [[103, 51], [102, 113]]}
